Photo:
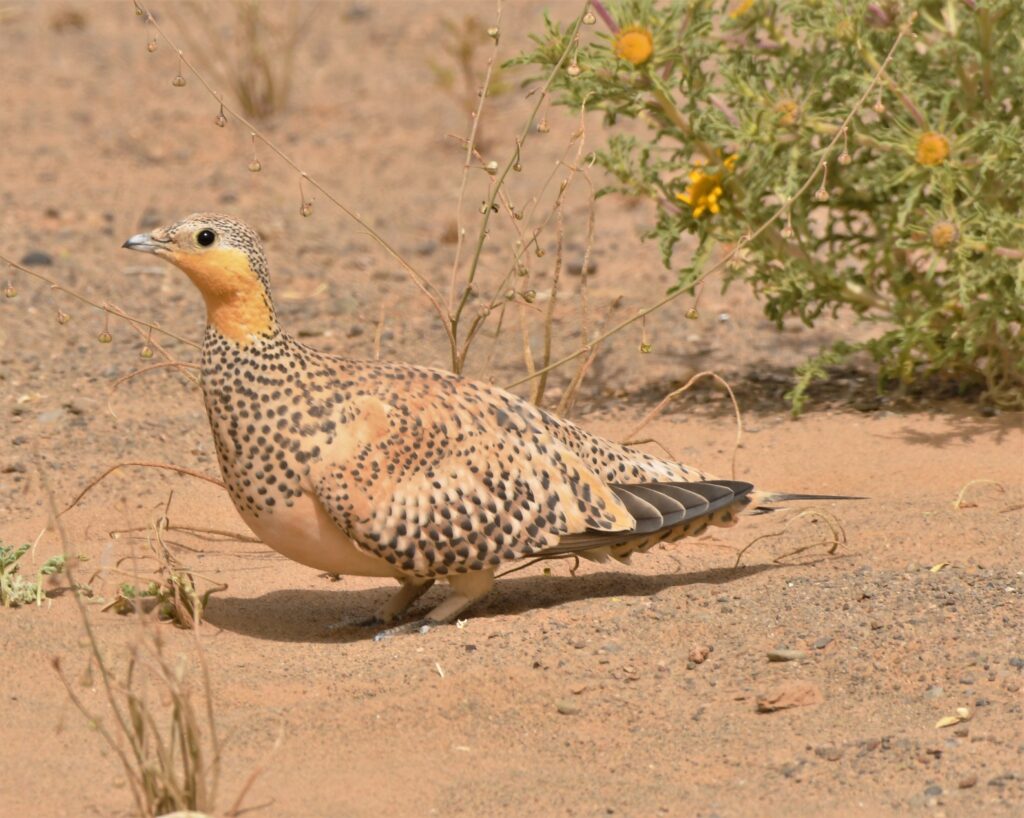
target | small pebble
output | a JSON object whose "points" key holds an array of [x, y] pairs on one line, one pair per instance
{"points": [[37, 258], [567, 708], [967, 782], [933, 791], [934, 692], [829, 753], [822, 642], [785, 655]]}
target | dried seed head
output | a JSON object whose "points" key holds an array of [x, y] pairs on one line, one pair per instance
{"points": [[178, 81], [491, 167], [821, 195], [146, 352], [589, 19], [573, 70], [692, 314], [517, 167], [62, 317], [306, 209], [645, 347], [255, 166], [517, 215], [787, 232], [220, 120], [844, 158], [151, 45], [542, 126], [10, 291], [529, 296], [104, 337], [944, 235], [878, 107], [540, 252], [521, 270], [493, 33]]}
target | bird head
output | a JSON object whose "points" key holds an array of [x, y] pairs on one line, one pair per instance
{"points": [[224, 258]]}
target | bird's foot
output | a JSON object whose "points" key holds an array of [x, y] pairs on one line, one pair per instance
{"points": [[346, 624], [416, 626]]}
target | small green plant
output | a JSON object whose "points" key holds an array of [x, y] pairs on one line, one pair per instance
{"points": [[915, 224], [175, 591], [15, 590]]}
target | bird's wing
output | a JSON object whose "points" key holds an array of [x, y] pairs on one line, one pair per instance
{"points": [[446, 476]]}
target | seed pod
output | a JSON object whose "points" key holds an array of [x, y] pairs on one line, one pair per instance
{"points": [[692, 314], [844, 158], [151, 45], [104, 337], [645, 347], [543, 127], [787, 232], [255, 166], [220, 120], [306, 209], [573, 70], [10, 291], [146, 352], [589, 19], [529, 296], [62, 317], [178, 81], [821, 195], [944, 235]]}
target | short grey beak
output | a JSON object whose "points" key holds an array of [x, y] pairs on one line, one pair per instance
{"points": [[144, 243]]}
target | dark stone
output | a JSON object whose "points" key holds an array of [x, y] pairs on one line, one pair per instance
{"points": [[37, 258]]}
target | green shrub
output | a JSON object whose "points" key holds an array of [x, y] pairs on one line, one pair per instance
{"points": [[918, 227]]}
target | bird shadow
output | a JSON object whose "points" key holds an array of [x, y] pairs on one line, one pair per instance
{"points": [[321, 615]]}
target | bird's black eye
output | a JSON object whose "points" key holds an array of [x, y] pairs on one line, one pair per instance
{"points": [[206, 237]]}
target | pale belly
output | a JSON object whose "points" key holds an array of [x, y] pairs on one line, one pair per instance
{"points": [[306, 534]]}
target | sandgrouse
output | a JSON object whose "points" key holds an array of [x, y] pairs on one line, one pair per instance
{"points": [[392, 470]]}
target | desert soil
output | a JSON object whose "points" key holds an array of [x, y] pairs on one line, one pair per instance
{"points": [[628, 691]]}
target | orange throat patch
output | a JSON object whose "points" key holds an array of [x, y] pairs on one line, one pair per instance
{"points": [[237, 304]]}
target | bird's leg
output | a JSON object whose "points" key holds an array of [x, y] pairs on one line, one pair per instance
{"points": [[412, 589], [466, 589]]}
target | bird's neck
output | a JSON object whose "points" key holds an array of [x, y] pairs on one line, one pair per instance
{"points": [[242, 316], [238, 304]]}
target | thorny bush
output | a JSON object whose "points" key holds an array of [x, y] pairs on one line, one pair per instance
{"points": [[916, 225]]}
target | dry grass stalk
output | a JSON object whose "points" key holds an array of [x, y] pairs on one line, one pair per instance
{"points": [[960, 502], [671, 396], [817, 517], [171, 760], [142, 464]]}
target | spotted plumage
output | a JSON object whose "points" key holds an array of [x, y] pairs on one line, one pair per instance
{"points": [[385, 469]]}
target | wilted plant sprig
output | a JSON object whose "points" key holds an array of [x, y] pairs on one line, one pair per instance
{"points": [[915, 224]]}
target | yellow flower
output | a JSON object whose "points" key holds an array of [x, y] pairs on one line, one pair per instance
{"points": [[932, 149], [705, 189], [702, 193], [634, 44], [741, 8]]}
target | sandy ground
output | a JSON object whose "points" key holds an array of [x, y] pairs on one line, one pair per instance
{"points": [[562, 695]]}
